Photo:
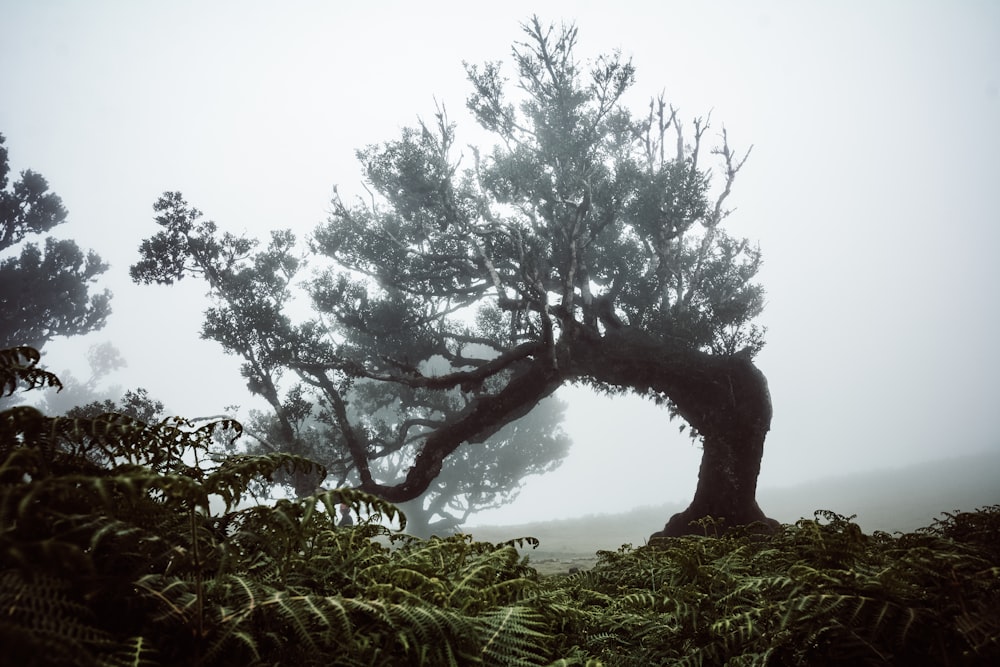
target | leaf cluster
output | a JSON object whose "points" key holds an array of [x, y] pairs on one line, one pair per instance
{"points": [[45, 291], [819, 592], [127, 543]]}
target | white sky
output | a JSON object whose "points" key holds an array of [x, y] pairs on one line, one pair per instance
{"points": [[871, 189]]}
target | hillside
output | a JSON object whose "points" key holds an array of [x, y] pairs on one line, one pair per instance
{"points": [[901, 499]]}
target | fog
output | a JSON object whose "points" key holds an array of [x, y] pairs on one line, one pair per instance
{"points": [[871, 189]]}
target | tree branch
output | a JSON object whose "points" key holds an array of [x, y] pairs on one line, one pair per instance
{"points": [[479, 421]]}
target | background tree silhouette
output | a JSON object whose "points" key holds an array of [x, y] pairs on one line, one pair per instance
{"points": [[471, 480], [45, 291], [252, 289], [585, 246], [103, 359]]}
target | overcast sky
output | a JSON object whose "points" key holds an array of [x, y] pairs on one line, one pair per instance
{"points": [[871, 189]]}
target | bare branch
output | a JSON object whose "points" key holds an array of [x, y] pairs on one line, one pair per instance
{"points": [[731, 170], [680, 133]]}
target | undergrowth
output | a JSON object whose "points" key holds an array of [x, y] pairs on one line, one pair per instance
{"points": [[127, 543], [819, 592]]}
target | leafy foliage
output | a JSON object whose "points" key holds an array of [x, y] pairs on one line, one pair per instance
{"points": [[45, 292], [124, 542], [820, 592], [582, 243]]}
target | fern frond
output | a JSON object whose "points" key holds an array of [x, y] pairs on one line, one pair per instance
{"points": [[855, 619], [46, 555], [231, 479], [18, 365], [980, 627], [424, 634], [172, 596], [108, 491], [576, 661], [513, 637], [646, 601], [134, 652], [376, 508], [44, 612], [738, 629], [520, 542], [489, 580]]}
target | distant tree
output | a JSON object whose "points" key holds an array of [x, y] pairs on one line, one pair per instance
{"points": [[491, 474], [45, 292], [472, 480], [103, 359], [134, 403], [585, 246]]}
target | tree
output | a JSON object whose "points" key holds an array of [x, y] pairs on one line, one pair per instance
{"points": [[45, 292], [585, 246], [251, 289], [490, 475], [135, 404], [103, 359], [471, 480]]}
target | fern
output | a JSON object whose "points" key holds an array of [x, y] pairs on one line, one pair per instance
{"points": [[513, 637], [134, 652], [110, 554], [232, 477], [818, 591], [45, 614], [19, 368]]}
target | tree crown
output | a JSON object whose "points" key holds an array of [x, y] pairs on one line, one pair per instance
{"points": [[45, 291], [584, 245]]}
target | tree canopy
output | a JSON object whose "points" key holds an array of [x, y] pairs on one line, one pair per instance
{"points": [[585, 245], [45, 291], [251, 288]]}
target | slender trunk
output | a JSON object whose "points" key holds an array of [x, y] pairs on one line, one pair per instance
{"points": [[418, 521]]}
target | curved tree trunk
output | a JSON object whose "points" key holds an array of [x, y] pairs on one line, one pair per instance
{"points": [[733, 429], [727, 485], [725, 398]]}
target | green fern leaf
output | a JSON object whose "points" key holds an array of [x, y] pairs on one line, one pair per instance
{"points": [[513, 637], [134, 652], [18, 365]]}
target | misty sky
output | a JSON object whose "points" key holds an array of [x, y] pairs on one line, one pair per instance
{"points": [[871, 189]]}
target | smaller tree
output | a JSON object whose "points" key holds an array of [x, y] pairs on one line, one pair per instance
{"points": [[492, 474], [134, 403], [45, 291], [103, 359]]}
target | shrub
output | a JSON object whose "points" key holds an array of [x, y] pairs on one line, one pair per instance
{"points": [[111, 554]]}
